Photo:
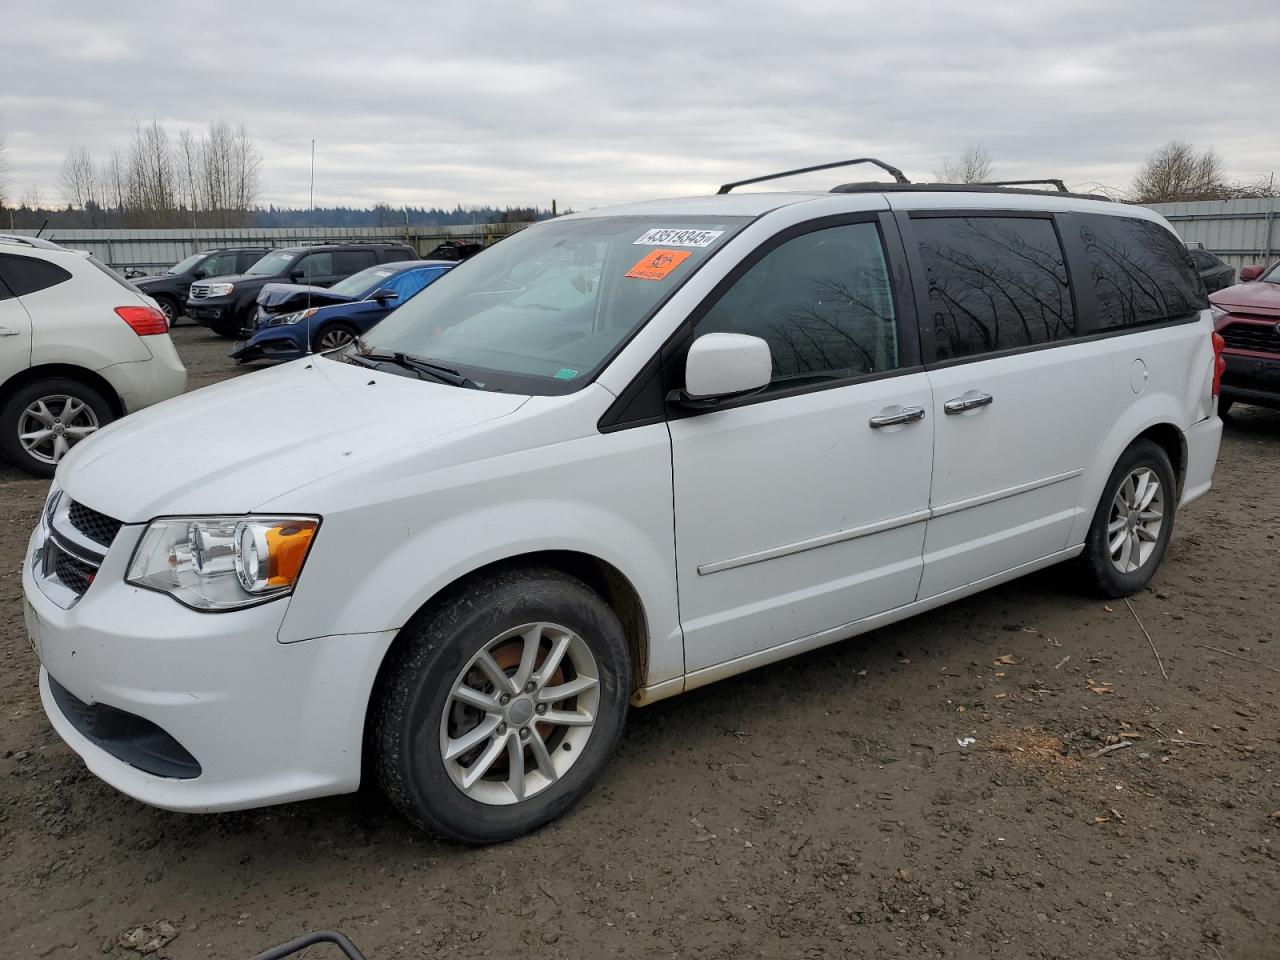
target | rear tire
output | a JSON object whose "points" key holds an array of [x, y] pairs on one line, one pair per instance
{"points": [[169, 307], [1133, 523], [1224, 406], [227, 331], [43, 420], [529, 755]]}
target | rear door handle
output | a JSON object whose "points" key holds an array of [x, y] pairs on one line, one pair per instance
{"points": [[906, 415], [961, 404]]}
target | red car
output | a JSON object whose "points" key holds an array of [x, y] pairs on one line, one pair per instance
{"points": [[1248, 317]]}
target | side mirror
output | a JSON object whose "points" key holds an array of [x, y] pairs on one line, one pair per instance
{"points": [[1250, 273], [295, 275], [724, 366], [199, 273], [384, 294]]}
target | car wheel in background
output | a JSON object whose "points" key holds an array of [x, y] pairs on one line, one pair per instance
{"points": [[1133, 522], [1224, 406], [41, 421], [227, 331], [332, 336], [500, 705], [169, 307]]}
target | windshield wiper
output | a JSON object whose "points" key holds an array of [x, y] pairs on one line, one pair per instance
{"points": [[434, 370]]}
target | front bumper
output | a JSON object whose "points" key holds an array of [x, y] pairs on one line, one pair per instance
{"points": [[285, 342], [211, 313], [1251, 378], [264, 722]]}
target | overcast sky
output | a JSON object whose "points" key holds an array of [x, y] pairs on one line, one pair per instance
{"points": [[596, 102]]}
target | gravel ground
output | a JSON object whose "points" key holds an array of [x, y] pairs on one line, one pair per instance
{"points": [[824, 806]]}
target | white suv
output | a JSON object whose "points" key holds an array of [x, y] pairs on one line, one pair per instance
{"points": [[81, 347], [615, 457]]}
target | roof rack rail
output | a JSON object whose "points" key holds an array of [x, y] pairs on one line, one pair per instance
{"points": [[958, 188], [25, 241], [317, 242], [888, 168], [1062, 187]]}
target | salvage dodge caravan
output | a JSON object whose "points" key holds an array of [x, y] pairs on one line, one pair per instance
{"points": [[617, 456]]}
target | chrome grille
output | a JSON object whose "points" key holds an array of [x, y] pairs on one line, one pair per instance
{"points": [[199, 291], [69, 550], [98, 527]]}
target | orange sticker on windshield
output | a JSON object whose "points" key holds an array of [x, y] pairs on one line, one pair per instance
{"points": [[656, 265]]}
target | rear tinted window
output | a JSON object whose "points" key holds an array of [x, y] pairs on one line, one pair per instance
{"points": [[352, 261], [1140, 271], [995, 283], [397, 253], [25, 275]]}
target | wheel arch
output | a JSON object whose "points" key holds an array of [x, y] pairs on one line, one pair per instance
{"points": [[613, 586], [1174, 442], [46, 371]]}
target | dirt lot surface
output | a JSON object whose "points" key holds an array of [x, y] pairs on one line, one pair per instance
{"points": [[825, 806]]}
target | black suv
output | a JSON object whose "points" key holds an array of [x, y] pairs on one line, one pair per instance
{"points": [[169, 289], [226, 304]]}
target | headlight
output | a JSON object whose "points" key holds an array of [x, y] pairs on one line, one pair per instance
{"points": [[222, 563], [220, 289], [287, 318]]}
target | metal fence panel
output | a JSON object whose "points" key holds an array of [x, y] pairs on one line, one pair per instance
{"points": [[1241, 232], [152, 250]]}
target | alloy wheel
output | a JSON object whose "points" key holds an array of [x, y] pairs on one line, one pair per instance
{"points": [[1137, 516], [50, 426], [520, 713], [333, 339]]}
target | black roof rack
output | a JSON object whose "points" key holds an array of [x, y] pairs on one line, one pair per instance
{"points": [[1062, 187], [896, 173], [960, 188], [347, 242]]}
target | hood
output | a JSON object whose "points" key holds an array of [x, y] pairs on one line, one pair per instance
{"points": [[241, 443], [151, 280], [1257, 296], [278, 297]]}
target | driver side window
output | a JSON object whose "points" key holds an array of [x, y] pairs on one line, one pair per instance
{"points": [[316, 265], [823, 303]]}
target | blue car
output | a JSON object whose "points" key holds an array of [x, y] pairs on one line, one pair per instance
{"points": [[287, 328]]}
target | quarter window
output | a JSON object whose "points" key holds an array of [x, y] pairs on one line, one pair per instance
{"points": [[1141, 272], [27, 275], [995, 283], [823, 303]]}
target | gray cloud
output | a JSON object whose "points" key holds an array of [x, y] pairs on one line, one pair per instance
{"points": [[598, 102]]}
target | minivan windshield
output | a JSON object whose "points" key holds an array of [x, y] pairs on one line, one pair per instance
{"points": [[272, 264], [543, 309]]}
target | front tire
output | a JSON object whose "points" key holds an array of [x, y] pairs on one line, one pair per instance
{"points": [[42, 421], [501, 705], [333, 336], [1133, 523], [169, 307]]}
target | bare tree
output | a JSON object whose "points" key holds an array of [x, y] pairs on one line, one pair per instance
{"points": [[972, 166], [1178, 171], [4, 168], [32, 199], [80, 185]]}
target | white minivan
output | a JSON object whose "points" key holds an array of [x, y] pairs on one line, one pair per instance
{"points": [[617, 456]]}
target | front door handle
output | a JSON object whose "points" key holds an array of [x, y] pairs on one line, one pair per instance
{"points": [[906, 415], [961, 404], [6, 332]]}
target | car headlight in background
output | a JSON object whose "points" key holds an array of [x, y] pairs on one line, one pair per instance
{"points": [[287, 318], [221, 289], [222, 563]]}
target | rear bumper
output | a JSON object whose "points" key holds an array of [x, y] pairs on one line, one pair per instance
{"points": [[141, 383], [1203, 439]]}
